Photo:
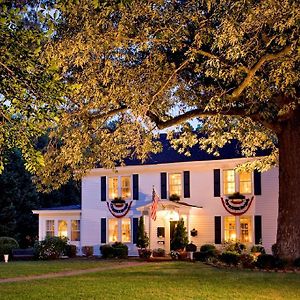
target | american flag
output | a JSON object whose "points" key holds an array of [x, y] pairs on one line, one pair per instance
{"points": [[154, 205]]}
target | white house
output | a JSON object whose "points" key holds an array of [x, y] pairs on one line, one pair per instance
{"points": [[203, 183]]}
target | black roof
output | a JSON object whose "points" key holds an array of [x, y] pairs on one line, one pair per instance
{"points": [[170, 155], [67, 207]]}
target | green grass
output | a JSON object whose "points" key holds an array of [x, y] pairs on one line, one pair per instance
{"points": [[172, 280], [25, 268]]}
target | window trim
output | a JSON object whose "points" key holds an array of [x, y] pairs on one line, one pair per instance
{"points": [[119, 177], [119, 230], [46, 227], [237, 182], [181, 184], [78, 230]]}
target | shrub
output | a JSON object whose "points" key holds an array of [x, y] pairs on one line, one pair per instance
{"points": [[180, 239], [144, 253], [265, 261], [191, 248], [159, 252], [274, 250], [6, 245], [107, 251], [247, 261], [258, 249], [230, 258], [50, 247], [120, 250], [142, 238], [88, 251], [71, 250], [235, 247], [207, 247], [297, 262]]}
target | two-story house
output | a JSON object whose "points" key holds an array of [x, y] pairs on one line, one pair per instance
{"points": [[113, 200]]}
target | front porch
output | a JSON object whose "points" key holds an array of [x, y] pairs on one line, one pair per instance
{"points": [[160, 231]]}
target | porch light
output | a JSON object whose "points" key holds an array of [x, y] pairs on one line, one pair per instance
{"points": [[233, 236], [172, 215]]}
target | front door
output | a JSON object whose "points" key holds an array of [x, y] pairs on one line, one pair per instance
{"points": [[173, 225]]}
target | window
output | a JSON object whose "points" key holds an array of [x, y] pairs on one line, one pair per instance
{"points": [[75, 230], [62, 228], [113, 187], [175, 184], [244, 224], [49, 227], [119, 187], [237, 182], [126, 232], [230, 229], [113, 230]]}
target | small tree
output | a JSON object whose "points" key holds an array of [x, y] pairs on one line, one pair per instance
{"points": [[142, 238], [180, 238]]}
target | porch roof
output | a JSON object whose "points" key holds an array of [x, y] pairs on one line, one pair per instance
{"points": [[167, 204]]}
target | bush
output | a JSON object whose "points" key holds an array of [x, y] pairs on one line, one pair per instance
{"points": [[6, 245], [297, 262], [142, 238], [180, 237], [144, 253], [191, 248], [120, 250], [258, 249], [71, 251], [235, 247], [88, 251], [247, 261], [159, 252], [265, 261], [230, 258], [50, 247], [107, 251], [207, 247]]}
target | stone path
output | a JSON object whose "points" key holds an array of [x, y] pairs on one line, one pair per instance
{"points": [[72, 273]]}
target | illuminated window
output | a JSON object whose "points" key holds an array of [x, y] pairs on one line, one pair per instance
{"points": [[245, 182], [245, 233], [229, 181], [62, 228], [125, 188], [126, 232], [113, 230], [230, 229], [49, 227], [113, 187], [175, 184], [75, 233]]}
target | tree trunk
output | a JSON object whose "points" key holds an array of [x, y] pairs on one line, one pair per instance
{"points": [[288, 229]]}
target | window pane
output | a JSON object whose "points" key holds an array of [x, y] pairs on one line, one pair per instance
{"points": [[126, 232], [175, 184], [113, 230], [229, 181], [125, 188], [230, 229], [75, 234], [49, 227], [112, 187], [246, 230], [245, 183], [62, 228]]}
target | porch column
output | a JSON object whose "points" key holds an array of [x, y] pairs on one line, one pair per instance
{"points": [[167, 235]]}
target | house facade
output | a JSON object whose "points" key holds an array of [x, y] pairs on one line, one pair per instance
{"points": [[200, 188]]}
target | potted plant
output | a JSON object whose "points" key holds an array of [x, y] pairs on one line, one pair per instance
{"points": [[180, 238], [7, 244], [174, 197], [118, 201], [142, 240], [236, 195]]}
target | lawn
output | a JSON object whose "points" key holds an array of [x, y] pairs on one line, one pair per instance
{"points": [[168, 280]]}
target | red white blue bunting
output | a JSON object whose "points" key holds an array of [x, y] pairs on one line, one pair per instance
{"points": [[237, 207], [119, 210]]}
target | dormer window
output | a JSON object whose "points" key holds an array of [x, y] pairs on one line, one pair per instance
{"points": [[119, 187]]}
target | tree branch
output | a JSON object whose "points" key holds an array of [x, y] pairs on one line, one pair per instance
{"points": [[267, 57]]}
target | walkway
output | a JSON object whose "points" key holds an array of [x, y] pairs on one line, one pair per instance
{"points": [[72, 273]]}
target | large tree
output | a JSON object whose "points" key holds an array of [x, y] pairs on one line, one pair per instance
{"points": [[146, 65]]}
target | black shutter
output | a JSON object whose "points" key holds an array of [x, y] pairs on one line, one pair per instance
{"points": [[186, 184], [103, 230], [217, 230], [103, 188], [163, 185], [217, 183], [257, 229], [135, 186], [257, 183], [135, 222]]}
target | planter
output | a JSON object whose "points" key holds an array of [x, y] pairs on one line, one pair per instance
{"points": [[6, 258]]}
